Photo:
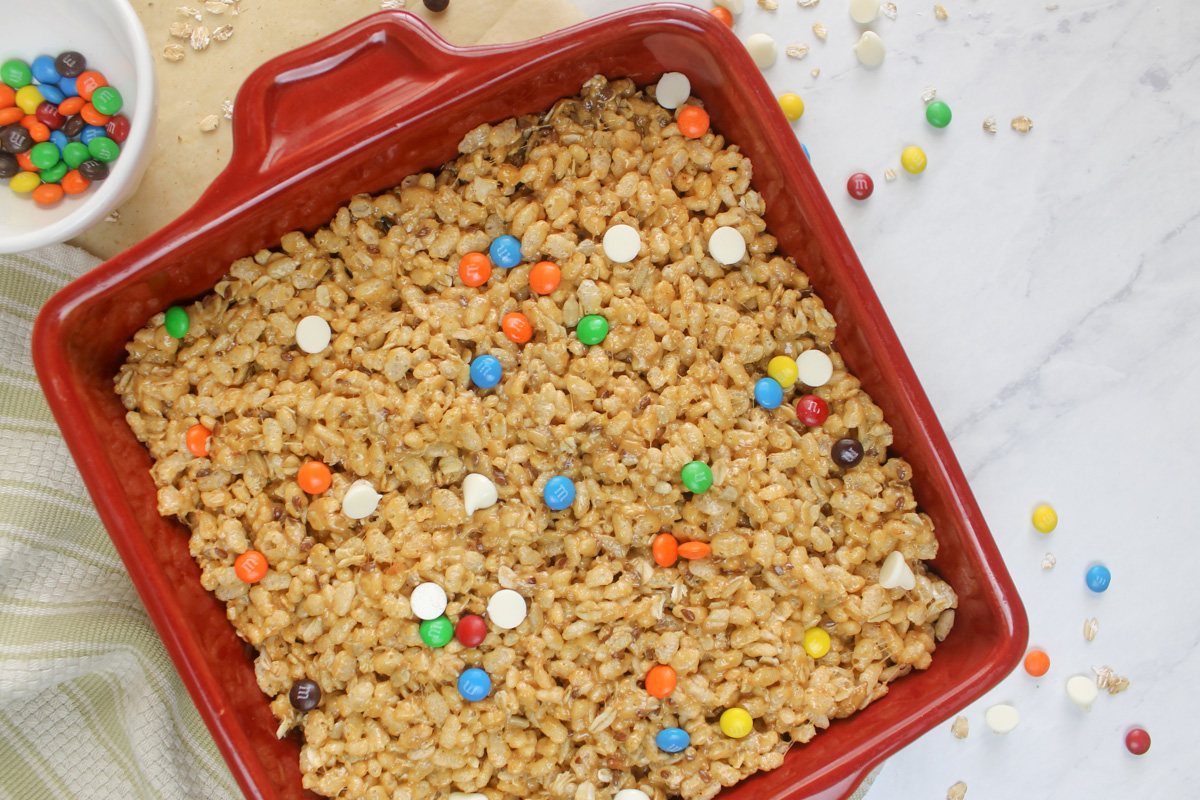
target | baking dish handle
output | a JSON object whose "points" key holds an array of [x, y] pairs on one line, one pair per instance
{"points": [[284, 122]]}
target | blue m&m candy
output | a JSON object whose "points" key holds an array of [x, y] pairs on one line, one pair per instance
{"points": [[43, 70], [90, 132], [505, 251], [672, 740], [474, 684], [60, 140], [768, 393], [485, 371], [1098, 578], [805, 149], [51, 93], [559, 492], [67, 87]]}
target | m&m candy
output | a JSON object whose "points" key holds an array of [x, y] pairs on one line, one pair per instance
{"points": [[474, 269], [692, 122], [1098, 578], [847, 452], [665, 550], [559, 492], [474, 684], [697, 477], [792, 106], [736, 723], [816, 642], [694, 550], [1037, 663], [516, 327], [176, 322], [304, 695], [812, 410], [1045, 519], [860, 186], [197, 440], [314, 477], [592, 329], [913, 160], [486, 371], [437, 632], [471, 630], [544, 277], [250, 566], [938, 114], [783, 370], [768, 393], [672, 740], [505, 251], [660, 681], [1137, 741]]}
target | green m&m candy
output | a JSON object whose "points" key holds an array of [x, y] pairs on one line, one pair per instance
{"points": [[437, 632], [44, 155], [75, 153], [15, 73], [103, 148], [938, 114], [54, 174], [177, 322], [592, 329], [697, 477], [107, 100]]}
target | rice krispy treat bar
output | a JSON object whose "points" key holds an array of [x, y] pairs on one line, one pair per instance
{"points": [[796, 540]]}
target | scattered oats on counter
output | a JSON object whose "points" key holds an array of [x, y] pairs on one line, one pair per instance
{"points": [[215, 7], [928, 93], [200, 38], [769, 5], [227, 108], [807, 3], [187, 11], [114, 216], [888, 10], [940, 13], [889, 174], [797, 50], [1051, 6], [180, 30], [223, 33], [1090, 628], [1022, 124], [960, 728], [820, 31], [1107, 679], [1049, 561], [989, 125], [173, 52], [815, 72], [210, 123], [957, 792], [392, 5]]}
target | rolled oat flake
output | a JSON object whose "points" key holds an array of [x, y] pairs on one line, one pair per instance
{"points": [[313, 334], [360, 500], [506, 609], [428, 601]]}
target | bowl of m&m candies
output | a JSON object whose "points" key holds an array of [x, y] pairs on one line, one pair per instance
{"points": [[77, 108]]}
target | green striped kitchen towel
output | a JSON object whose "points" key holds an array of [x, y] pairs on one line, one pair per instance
{"points": [[90, 705]]}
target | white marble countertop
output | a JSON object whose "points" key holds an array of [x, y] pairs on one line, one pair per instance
{"points": [[1044, 286]]}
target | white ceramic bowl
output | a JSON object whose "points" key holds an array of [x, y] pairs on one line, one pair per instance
{"points": [[109, 34]]}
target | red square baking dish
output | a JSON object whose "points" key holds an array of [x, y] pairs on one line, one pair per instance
{"points": [[360, 110]]}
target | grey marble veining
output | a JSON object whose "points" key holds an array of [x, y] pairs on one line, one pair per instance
{"points": [[1046, 287]]}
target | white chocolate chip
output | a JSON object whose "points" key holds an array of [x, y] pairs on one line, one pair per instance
{"points": [[428, 601], [864, 11], [726, 245], [732, 6], [360, 500], [631, 794], [895, 573], [313, 334], [621, 244], [506, 609], [1002, 718], [1082, 691], [478, 492], [814, 367], [673, 90], [762, 49], [870, 49]]}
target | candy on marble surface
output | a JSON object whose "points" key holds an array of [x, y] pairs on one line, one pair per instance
{"points": [[1002, 718], [1082, 691], [360, 500], [896, 574], [864, 11], [727, 245], [913, 160], [870, 49], [1098, 578], [1044, 519], [506, 609], [938, 114], [478, 492], [1037, 663], [672, 90], [762, 49], [860, 186], [313, 334], [428, 601], [621, 243], [1137, 741], [791, 104]]}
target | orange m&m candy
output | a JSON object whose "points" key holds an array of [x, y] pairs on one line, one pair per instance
{"points": [[1037, 663], [197, 439], [665, 549], [516, 327], [11, 114], [723, 15], [47, 194], [74, 182], [692, 121], [544, 277], [660, 681], [694, 550], [250, 566], [89, 82], [71, 106], [314, 477], [474, 269], [93, 117]]}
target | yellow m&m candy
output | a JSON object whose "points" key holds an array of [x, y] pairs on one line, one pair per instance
{"points": [[1044, 519], [913, 160], [783, 370], [816, 642], [792, 105], [736, 723]]}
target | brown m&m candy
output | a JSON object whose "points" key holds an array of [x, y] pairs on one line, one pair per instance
{"points": [[304, 695], [846, 452]]}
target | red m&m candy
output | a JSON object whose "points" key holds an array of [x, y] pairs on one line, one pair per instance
{"points": [[1137, 741], [860, 186], [471, 630], [812, 411]]}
